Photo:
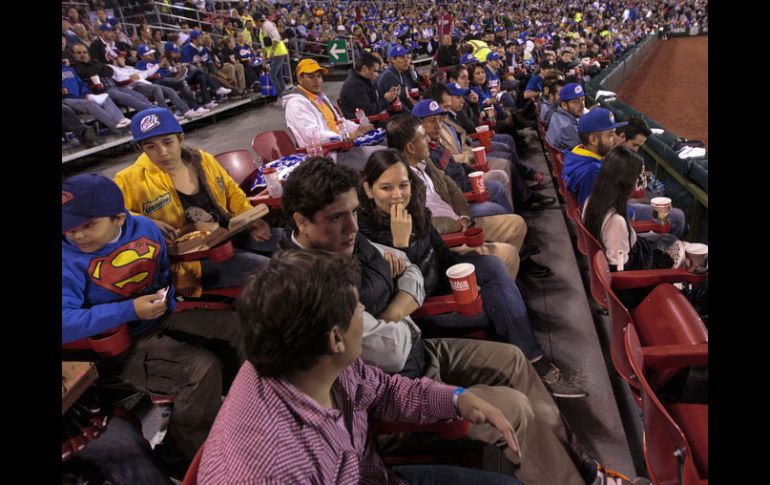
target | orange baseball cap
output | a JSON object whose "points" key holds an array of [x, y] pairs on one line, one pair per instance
{"points": [[309, 66]]}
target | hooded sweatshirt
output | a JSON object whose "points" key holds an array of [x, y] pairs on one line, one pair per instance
{"points": [[581, 167]]}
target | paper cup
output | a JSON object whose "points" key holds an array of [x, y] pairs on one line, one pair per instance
{"points": [[661, 207], [95, 80], [696, 257], [415, 93], [482, 129], [490, 111], [462, 278], [480, 156], [511, 69], [477, 182]]}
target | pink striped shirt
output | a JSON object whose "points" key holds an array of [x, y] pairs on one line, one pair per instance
{"points": [[269, 432]]}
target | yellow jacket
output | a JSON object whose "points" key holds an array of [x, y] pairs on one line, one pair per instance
{"points": [[149, 191]]}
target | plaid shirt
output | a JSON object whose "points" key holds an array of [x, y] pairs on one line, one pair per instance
{"points": [[268, 431]]}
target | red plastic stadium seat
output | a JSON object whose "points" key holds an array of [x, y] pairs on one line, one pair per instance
{"points": [[272, 145], [191, 477], [241, 166]]}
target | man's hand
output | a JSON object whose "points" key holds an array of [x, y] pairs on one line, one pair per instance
{"points": [[149, 307], [168, 231], [260, 231], [400, 225], [478, 411], [465, 223], [397, 264], [361, 130], [391, 94], [135, 77], [473, 97]]}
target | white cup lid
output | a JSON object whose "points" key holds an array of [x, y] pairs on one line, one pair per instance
{"points": [[660, 201], [478, 149], [460, 270], [476, 174]]}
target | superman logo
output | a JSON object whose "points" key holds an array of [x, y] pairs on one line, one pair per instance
{"points": [[127, 269]]}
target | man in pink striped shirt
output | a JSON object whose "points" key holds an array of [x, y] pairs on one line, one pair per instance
{"points": [[299, 408]]}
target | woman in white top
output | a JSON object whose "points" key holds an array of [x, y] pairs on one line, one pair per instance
{"points": [[605, 217]]}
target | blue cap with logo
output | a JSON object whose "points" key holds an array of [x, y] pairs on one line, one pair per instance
{"points": [[87, 196], [571, 91], [456, 90], [153, 122], [144, 50], [467, 59], [427, 107], [171, 47], [397, 51], [105, 26], [493, 56], [598, 119], [194, 34]]}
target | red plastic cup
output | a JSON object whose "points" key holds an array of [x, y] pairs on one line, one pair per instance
{"points": [[396, 104], [414, 93], [480, 156], [462, 279], [477, 182], [485, 136]]}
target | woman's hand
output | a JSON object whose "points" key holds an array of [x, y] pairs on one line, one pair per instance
{"points": [[168, 231], [400, 225], [260, 231]]}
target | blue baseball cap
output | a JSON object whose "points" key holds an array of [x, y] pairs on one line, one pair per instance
{"points": [[105, 26], [144, 50], [571, 91], [519, 41], [427, 107], [397, 51], [467, 59], [456, 90], [598, 119], [171, 47], [87, 196], [493, 56], [154, 122], [194, 34]]}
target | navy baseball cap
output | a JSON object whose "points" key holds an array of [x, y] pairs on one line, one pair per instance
{"points": [[87, 196], [171, 47], [467, 59], [427, 107], [194, 34], [493, 56], [456, 90], [105, 26], [154, 122], [598, 119], [144, 50], [397, 51], [571, 91]]}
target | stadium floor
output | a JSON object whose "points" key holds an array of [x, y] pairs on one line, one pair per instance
{"points": [[565, 322]]}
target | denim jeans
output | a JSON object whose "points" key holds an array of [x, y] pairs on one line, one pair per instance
{"points": [[232, 272], [504, 306], [107, 113], [643, 212], [497, 203], [444, 474], [276, 74]]}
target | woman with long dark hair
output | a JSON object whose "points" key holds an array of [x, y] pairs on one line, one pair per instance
{"points": [[393, 213], [605, 217]]}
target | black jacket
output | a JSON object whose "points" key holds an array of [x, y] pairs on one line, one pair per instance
{"points": [[359, 92], [430, 252], [447, 56]]}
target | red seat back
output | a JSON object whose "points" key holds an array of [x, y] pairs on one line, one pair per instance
{"points": [[665, 445], [241, 166], [272, 145], [191, 477], [590, 247]]}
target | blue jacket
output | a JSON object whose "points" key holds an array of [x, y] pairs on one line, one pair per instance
{"points": [[562, 130], [581, 168], [190, 54], [98, 289], [391, 77], [75, 86]]}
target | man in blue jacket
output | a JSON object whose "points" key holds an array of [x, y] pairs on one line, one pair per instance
{"points": [[596, 130], [115, 270], [398, 75], [562, 133]]}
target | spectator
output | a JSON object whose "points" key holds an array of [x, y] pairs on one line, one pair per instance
{"points": [[103, 48], [97, 231], [175, 185], [562, 131], [308, 399], [398, 75], [246, 57], [198, 55], [226, 55], [535, 84], [311, 115], [360, 91], [275, 52], [447, 53], [76, 95], [550, 98]]}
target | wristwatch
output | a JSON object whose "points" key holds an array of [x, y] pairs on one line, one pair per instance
{"points": [[455, 396]]}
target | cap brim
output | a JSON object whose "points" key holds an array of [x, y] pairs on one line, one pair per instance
{"points": [[321, 68], [70, 222], [618, 125]]}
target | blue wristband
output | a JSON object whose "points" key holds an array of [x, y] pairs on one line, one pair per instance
{"points": [[455, 396]]}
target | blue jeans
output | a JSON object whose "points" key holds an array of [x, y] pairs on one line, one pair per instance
{"points": [[643, 212], [276, 74], [497, 203], [232, 272], [444, 474], [107, 113], [504, 306], [127, 97], [124, 456]]}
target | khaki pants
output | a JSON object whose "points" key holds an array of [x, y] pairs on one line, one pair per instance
{"points": [[501, 374], [508, 253], [504, 165]]}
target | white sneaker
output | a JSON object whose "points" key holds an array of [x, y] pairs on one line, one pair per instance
{"points": [[191, 113], [210, 105], [201, 111], [178, 117], [123, 123], [223, 90]]}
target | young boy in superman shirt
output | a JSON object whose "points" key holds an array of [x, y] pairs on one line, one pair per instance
{"points": [[114, 270]]}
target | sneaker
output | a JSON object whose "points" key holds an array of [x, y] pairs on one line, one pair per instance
{"points": [[559, 387], [178, 117], [123, 123], [677, 253], [223, 90], [191, 113], [88, 137], [210, 105], [202, 111]]}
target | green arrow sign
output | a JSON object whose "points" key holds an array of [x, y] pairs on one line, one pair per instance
{"points": [[336, 51]]}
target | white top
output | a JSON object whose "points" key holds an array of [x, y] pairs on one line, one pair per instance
{"points": [[124, 73], [304, 119], [615, 238]]}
